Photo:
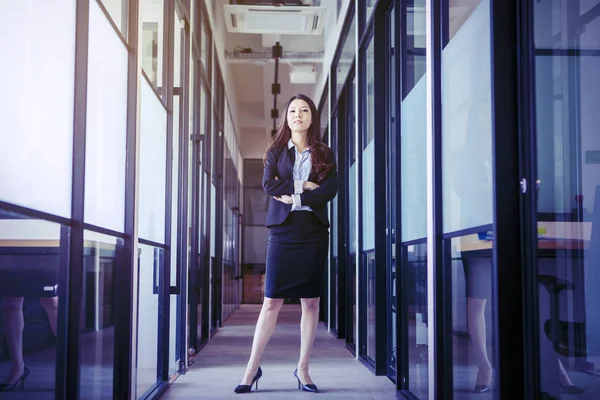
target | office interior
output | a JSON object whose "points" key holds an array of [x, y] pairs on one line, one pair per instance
{"points": [[465, 236]]}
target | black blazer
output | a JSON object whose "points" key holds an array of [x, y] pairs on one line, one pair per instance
{"points": [[280, 163]]}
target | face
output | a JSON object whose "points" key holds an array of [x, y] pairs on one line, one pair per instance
{"points": [[299, 116]]}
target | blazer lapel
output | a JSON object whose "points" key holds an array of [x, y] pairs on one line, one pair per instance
{"points": [[291, 155]]}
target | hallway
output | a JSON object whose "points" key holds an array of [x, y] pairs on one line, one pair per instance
{"points": [[219, 366]]}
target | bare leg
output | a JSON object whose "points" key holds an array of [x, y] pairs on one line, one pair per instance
{"points": [[12, 313], [308, 329], [50, 304], [564, 377], [264, 329], [476, 322]]}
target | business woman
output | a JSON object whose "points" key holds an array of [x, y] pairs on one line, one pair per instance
{"points": [[300, 175]]}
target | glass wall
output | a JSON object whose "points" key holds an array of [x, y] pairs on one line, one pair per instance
{"points": [[153, 41], [413, 200], [152, 210], [451, 287], [367, 260], [352, 211], [106, 124], [567, 49], [231, 210], [467, 190], [32, 254], [79, 187], [102, 258], [38, 149]]}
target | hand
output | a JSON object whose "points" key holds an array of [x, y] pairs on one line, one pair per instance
{"points": [[308, 185], [286, 199]]}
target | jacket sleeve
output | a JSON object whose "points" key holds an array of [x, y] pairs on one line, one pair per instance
{"points": [[272, 186], [324, 193]]}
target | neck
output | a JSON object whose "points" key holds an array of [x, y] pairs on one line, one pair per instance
{"points": [[299, 139]]}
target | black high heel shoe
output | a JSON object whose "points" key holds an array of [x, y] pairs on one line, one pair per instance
{"points": [[571, 389], [482, 388], [311, 387], [248, 388], [9, 387]]}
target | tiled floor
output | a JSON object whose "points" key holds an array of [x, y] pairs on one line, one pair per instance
{"points": [[218, 368]]}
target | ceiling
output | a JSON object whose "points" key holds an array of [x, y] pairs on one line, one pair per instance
{"points": [[253, 74]]}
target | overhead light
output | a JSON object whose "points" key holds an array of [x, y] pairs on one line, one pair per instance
{"points": [[280, 20], [303, 74]]}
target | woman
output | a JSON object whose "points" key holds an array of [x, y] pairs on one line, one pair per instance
{"points": [[300, 175], [13, 321]]}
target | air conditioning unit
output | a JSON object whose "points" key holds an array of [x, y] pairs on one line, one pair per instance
{"points": [[275, 20]]}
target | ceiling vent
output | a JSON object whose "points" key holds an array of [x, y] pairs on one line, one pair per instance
{"points": [[277, 20]]}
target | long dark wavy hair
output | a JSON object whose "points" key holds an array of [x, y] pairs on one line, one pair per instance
{"points": [[318, 150]]}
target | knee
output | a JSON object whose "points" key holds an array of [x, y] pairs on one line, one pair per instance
{"points": [[49, 303], [272, 305], [310, 304], [475, 306], [12, 304]]}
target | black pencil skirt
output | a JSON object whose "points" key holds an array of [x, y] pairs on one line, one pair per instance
{"points": [[296, 257]]}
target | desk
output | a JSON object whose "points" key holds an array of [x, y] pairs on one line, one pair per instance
{"points": [[553, 236], [34, 264], [561, 251]]}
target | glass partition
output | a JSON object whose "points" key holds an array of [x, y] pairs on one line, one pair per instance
{"points": [[467, 190], [32, 252], [102, 259], [413, 189], [368, 204], [567, 49], [119, 13], [37, 116], [352, 212], [152, 21], [106, 124], [150, 266], [153, 166]]}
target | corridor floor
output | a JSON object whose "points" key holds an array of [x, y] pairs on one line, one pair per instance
{"points": [[218, 368]]}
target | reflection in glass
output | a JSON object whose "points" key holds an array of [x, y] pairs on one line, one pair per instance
{"points": [[473, 340], [467, 193], [368, 200], [151, 264], [152, 40], [101, 261], [37, 112], [31, 253], [568, 199]]}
